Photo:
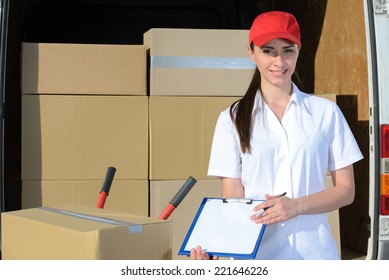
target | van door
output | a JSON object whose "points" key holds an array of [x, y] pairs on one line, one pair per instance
{"points": [[3, 43], [377, 39]]}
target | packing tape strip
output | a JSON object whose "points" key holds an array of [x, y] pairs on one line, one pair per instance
{"points": [[202, 62], [133, 228]]}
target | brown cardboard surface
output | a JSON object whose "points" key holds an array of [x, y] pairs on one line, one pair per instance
{"points": [[344, 71], [77, 137], [183, 49], [49, 68], [74, 232], [129, 196], [181, 133], [161, 193]]}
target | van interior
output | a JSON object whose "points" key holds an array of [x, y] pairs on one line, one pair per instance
{"points": [[125, 21]]}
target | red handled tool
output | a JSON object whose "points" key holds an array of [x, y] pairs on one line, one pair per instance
{"points": [[106, 186], [178, 198]]}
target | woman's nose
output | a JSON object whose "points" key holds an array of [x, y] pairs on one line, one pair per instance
{"points": [[278, 60]]}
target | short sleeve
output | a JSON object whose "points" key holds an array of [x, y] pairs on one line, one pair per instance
{"points": [[225, 159], [343, 149]]}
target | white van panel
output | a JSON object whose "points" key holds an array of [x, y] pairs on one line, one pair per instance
{"points": [[382, 42], [377, 36]]}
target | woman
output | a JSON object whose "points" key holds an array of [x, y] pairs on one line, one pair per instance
{"points": [[278, 139]]}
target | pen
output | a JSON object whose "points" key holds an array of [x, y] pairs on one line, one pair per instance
{"points": [[264, 209]]}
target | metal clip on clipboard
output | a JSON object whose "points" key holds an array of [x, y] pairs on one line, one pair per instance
{"points": [[238, 199]]}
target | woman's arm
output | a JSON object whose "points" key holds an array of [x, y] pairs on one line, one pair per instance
{"points": [[232, 187], [340, 195], [284, 208]]}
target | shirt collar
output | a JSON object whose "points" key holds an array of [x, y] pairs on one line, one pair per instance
{"points": [[296, 98]]}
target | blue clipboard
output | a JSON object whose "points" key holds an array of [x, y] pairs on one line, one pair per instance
{"points": [[223, 228]]}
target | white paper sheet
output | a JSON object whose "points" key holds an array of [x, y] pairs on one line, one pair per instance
{"points": [[225, 228]]}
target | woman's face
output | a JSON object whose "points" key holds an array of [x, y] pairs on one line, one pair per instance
{"points": [[276, 61]]}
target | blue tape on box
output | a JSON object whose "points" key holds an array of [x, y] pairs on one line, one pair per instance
{"points": [[202, 62]]}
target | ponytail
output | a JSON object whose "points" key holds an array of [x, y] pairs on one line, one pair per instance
{"points": [[241, 112]]}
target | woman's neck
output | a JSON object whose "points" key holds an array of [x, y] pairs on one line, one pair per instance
{"points": [[277, 98], [276, 95]]}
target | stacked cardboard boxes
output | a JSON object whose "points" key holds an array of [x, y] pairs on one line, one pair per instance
{"points": [[194, 75], [84, 108]]}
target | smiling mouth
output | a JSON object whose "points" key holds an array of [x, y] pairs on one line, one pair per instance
{"points": [[279, 73]]}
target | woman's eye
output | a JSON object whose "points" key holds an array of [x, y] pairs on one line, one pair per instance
{"points": [[267, 51]]}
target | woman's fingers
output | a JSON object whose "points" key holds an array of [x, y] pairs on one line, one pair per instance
{"points": [[198, 254]]}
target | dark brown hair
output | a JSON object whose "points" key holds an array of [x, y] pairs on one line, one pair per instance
{"points": [[241, 112]]}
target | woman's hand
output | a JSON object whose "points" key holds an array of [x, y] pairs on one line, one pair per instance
{"points": [[199, 254], [275, 209], [284, 208]]}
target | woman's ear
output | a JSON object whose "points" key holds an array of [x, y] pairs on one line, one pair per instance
{"points": [[251, 53]]}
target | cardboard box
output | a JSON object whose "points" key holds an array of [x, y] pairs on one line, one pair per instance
{"points": [[129, 196], [74, 232], [181, 134], [161, 193], [49, 68], [198, 62], [78, 137]]}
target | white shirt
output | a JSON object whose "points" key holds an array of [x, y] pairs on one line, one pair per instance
{"points": [[291, 156]]}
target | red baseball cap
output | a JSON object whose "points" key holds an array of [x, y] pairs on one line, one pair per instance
{"points": [[272, 25]]}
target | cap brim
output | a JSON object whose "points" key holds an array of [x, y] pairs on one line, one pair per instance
{"points": [[260, 41]]}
